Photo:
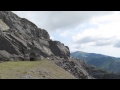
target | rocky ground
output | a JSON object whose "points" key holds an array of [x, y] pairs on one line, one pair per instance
{"points": [[75, 67]]}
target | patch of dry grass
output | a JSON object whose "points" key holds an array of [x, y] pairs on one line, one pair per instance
{"points": [[43, 69]]}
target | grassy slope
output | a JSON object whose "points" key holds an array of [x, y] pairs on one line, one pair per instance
{"points": [[33, 70]]}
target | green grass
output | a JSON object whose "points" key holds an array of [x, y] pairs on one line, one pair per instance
{"points": [[43, 69]]}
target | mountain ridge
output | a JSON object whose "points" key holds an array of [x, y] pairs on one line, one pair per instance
{"points": [[94, 53], [101, 61]]}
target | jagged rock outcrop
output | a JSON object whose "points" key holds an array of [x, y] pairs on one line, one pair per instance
{"points": [[20, 37], [75, 67], [58, 46]]}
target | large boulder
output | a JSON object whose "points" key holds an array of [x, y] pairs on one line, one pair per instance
{"points": [[59, 49], [4, 56]]}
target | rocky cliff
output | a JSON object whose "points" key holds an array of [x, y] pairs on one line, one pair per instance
{"points": [[20, 38]]}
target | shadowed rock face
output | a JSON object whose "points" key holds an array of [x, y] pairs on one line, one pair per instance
{"points": [[18, 36], [75, 67], [58, 46]]}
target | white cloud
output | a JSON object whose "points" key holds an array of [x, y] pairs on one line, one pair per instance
{"points": [[65, 33], [51, 37], [53, 20], [106, 33]]}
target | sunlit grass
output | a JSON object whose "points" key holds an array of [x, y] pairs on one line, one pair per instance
{"points": [[38, 69]]}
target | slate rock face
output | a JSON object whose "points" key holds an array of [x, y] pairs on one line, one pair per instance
{"points": [[75, 67], [59, 49], [20, 37]]}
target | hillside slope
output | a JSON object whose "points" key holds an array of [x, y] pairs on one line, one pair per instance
{"points": [[111, 64], [52, 69], [43, 69]]}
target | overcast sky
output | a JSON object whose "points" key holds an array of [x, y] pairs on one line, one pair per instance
{"points": [[89, 31]]}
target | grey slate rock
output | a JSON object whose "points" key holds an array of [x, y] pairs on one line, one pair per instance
{"points": [[24, 37]]}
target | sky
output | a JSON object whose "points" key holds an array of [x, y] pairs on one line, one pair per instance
{"points": [[88, 31]]}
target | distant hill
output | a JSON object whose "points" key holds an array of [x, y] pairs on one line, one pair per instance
{"points": [[109, 63]]}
